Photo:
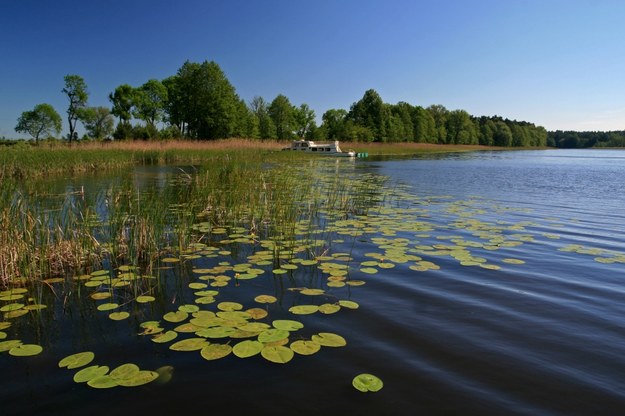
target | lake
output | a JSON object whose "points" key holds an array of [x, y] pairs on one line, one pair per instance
{"points": [[483, 283]]}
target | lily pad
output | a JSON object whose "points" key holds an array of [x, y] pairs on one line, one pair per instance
{"points": [[348, 304], [108, 306], [328, 339], [102, 382], [367, 383], [329, 308], [265, 299], [165, 337], [305, 347], [215, 351], [175, 317], [125, 371], [118, 316], [89, 373], [8, 345], [77, 360], [277, 354], [138, 379], [145, 299], [272, 335], [26, 350], [303, 309], [189, 344], [287, 324], [247, 348], [229, 306]]}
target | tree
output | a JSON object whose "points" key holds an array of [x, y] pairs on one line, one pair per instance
{"points": [[304, 118], [76, 91], [123, 100], [206, 102], [334, 123], [424, 126], [439, 114], [460, 128], [98, 121], [370, 112], [259, 108], [281, 112], [41, 121], [150, 101]]}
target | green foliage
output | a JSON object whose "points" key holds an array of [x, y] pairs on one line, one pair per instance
{"points": [[98, 121], [42, 121], [150, 101], [77, 94], [282, 114], [582, 139], [123, 101]]}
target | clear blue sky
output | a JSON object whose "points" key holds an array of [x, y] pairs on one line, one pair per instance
{"points": [[556, 63]]}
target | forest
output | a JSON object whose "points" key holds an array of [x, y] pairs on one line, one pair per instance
{"points": [[199, 102], [585, 139]]}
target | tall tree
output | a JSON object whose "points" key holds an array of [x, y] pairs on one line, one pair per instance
{"points": [[208, 103], [98, 121], [150, 100], [439, 114], [76, 91], [424, 126], [304, 118], [371, 113], [260, 109], [40, 121], [123, 100], [334, 123], [281, 112]]}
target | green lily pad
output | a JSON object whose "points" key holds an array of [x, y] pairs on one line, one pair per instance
{"points": [[102, 382], [312, 292], [215, 351], [125, 371], [9, 298], [8, 345], [348, 304], [328, 339], [265, 299], [138, 379], [175, 317], [287, 324], [305, 347], [329, 308], [3, 335], [367, 382], [165, 337], [277, 354], [89, 373], [215, 332], [303, 309], [229, 306], [119, 316], [12, 307], [272, 335], [5, 325], [108, 306], [26, 350], [247, 348], [145, 299], [189, 344], [77, 360], [35, 307], [189, 308]]}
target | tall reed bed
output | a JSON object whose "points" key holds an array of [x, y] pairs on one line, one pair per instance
{"points": [[122, 224]]}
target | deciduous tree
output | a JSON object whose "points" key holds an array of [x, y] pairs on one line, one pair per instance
{"points": [[76, 91], [41, 121]]}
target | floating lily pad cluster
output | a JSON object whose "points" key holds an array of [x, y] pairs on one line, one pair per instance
{"points": [[15, 303], [99, 376], [231, 329], [601, 255]]}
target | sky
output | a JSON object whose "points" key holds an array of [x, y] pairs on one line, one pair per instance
{"points": [[556, 63]]}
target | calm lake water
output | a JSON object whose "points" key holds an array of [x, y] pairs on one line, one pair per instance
{"points": [[539, 332]]}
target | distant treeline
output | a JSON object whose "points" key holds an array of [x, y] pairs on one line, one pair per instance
{"points": [[199, 102], [577, 139]]}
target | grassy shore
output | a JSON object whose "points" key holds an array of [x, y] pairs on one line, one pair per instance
{"points": [[29, 161]]}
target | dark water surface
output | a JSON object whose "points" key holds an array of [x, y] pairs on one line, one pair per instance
{"points": [[545, 337]]}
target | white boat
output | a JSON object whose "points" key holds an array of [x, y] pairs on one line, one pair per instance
{"points": [[328, 149]]}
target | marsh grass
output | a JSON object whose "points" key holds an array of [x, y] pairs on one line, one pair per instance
{"points": [[124, 225]]}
